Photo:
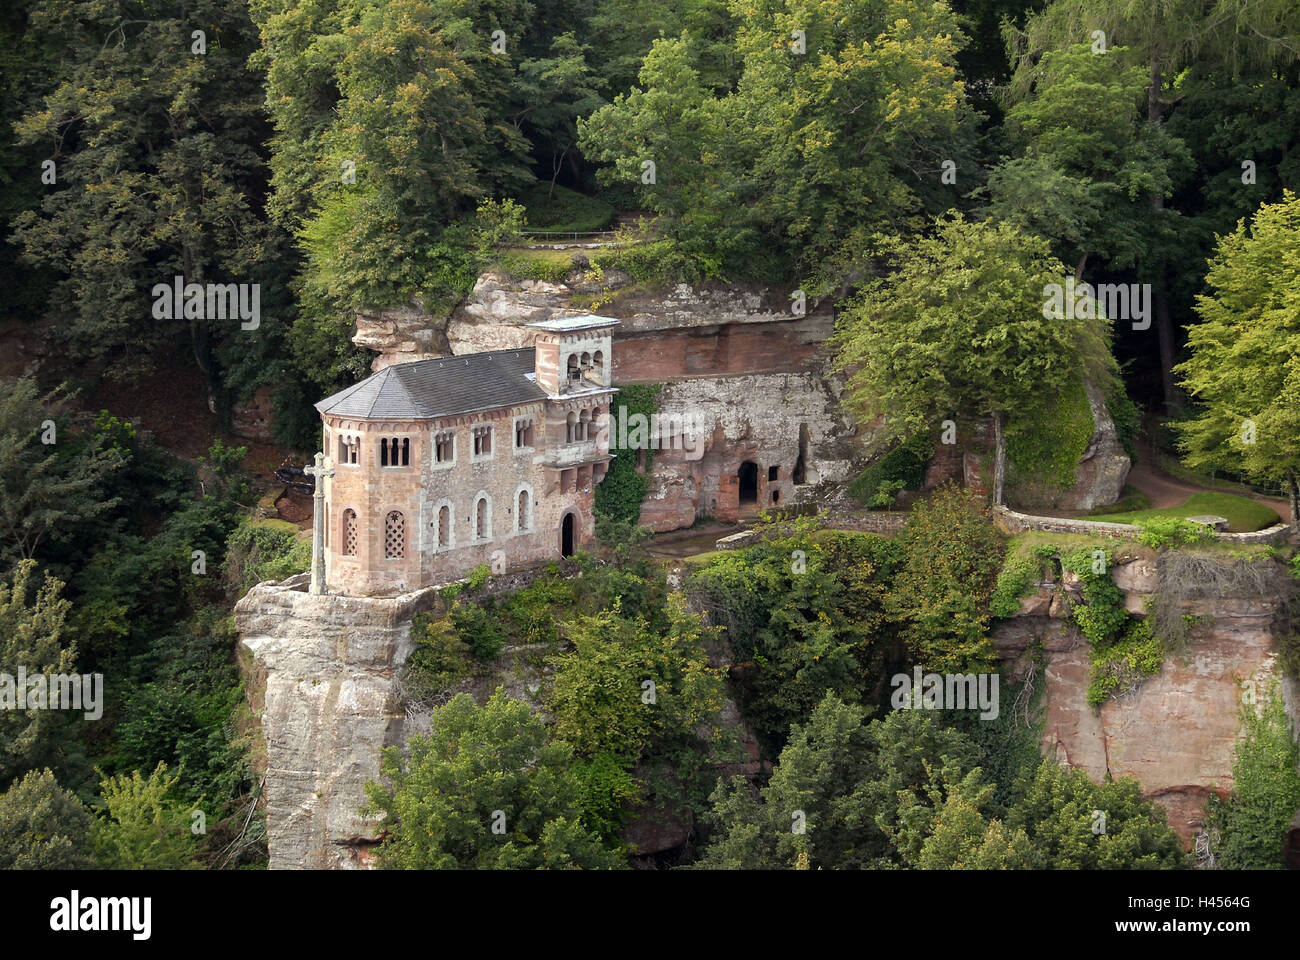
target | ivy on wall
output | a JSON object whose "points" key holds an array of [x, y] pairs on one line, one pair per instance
{"points": [[1047, 446], [619, 496]]}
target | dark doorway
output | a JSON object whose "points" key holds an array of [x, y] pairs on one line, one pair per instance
{"points": [[798, 474], [566, 536], [748, 476]]}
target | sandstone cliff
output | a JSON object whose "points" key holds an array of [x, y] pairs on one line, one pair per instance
{"points": [[1177, 732], [331, 705]]}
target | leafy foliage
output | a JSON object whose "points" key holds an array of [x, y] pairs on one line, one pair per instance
{"points": [[902, 468], [43, 826], [146, 827], [1253, 822], [804, 614], [619, 496], [480, 767], [951, 559]]}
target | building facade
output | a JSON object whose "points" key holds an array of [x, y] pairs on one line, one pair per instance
{"points": [[442, 465]]}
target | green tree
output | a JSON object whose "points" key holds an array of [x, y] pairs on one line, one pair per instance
{"points": [[804, 614], [1252, 823], [1244, 367], [1091, 162], [843, 794], [484, 790], [48, 491], [146, 827], [1076, 824], [809, 152], [951, 559], [31, 637], [625, 686], [43, 826], [959, 329], [1165, 39], [171, 192]]}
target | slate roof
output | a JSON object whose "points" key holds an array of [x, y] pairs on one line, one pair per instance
{"points": [[440, 388]]}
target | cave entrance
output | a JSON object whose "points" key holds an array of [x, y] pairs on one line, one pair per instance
{"points": [[566, 536], [748, 477]]}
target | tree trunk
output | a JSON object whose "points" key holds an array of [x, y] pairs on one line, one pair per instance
{"points": [[1164, 321], [999, 459], [1293, 492], [1165, 334]]}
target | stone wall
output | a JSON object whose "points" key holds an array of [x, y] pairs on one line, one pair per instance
{"points": [[1010, 521]]}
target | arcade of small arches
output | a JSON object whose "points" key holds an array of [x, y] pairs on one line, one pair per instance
{"points": [[585, 364]]}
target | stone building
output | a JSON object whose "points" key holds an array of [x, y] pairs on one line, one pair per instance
{"points": [[444, 464]]}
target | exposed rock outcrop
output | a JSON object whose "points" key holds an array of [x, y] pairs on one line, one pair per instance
{"points": [[1178, 731], [331, 705]]}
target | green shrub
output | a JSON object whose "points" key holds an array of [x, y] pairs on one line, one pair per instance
{"points": [[440, 658], [479, 630], [476, 578], [902, 468], [656, 261], [606, 791], [260, 550], [1161, 531], [521, 266], [1252, 824], [1019, 574], [952, 557], [1137, 655]]}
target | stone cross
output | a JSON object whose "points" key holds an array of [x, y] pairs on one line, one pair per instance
{"points": [[321, 472]]}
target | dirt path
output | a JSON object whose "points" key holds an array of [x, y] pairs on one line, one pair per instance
{"points": [[1167, 491]]}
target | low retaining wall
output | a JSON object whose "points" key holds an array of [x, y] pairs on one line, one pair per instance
{"points": [[1013, 522]]}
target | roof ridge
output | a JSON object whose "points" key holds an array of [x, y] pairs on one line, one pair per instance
{"points": [[406, 391]]}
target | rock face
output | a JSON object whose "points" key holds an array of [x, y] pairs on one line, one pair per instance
{"points": [[331, 706], [787, 427], [400, 335], [1177, 732]]}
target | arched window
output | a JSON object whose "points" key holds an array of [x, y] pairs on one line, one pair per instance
{"points": [[575, 371], [524, 513], [394, 535], [598, 365], [571, 427], [584, 425], [349, 533], [586, 360], [482, 519], [444, 526]]}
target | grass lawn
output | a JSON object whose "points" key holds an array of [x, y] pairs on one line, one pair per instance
{"points": [[700, 559], [1242, 513]]}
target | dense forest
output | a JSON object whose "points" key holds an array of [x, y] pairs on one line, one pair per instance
{"points": [[929, 168]]}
